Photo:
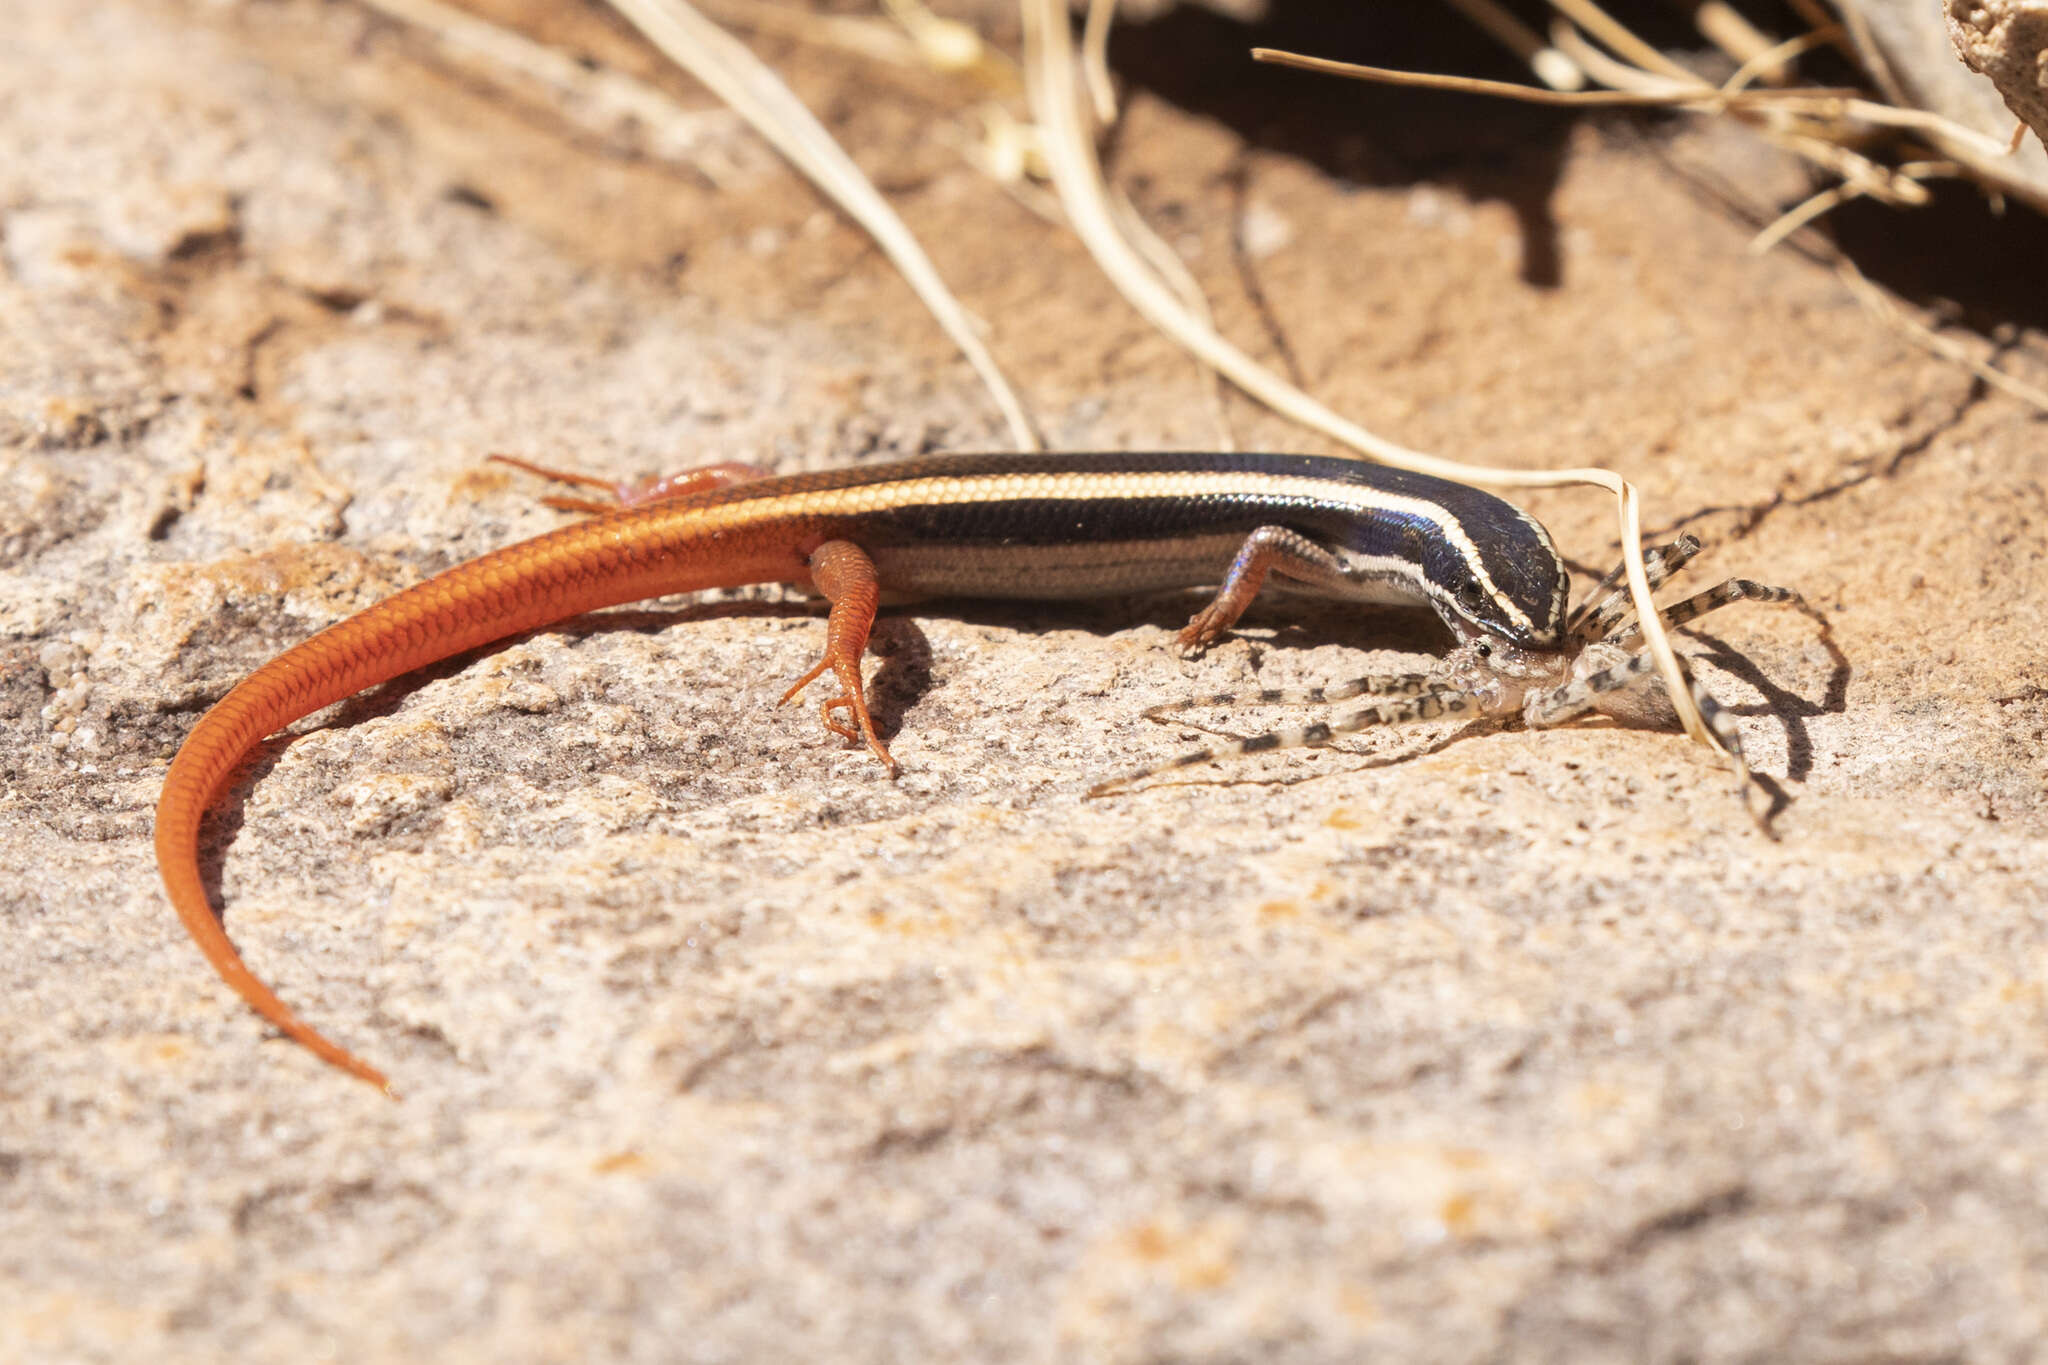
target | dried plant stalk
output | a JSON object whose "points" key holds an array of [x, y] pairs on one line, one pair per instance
{"points": [[758, 96], [1816, 124], [1545, 62], [1095, 58], [601, 101], [753, 91]]}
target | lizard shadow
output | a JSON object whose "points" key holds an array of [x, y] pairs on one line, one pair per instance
{"points": [[902, 679], [1198, 58], [1359, 134], [1789, 708], [904, 675]]}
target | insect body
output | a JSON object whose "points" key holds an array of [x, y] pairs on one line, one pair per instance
{"points": [[1590, 669], [1000, 526]]}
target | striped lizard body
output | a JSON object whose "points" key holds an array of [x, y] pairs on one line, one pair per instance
{"points": [[997, 526]]}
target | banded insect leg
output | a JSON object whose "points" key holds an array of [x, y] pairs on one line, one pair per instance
{"points": [[1713, 599], [1436, 703], [1607, 605], [1372, 685]]}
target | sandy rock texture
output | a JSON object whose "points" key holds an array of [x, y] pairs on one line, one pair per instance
{"points": [[716, 1045], [2007, 40], [1928, 56]]}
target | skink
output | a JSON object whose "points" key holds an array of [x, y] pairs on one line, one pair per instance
{"points": [[991, 526]]}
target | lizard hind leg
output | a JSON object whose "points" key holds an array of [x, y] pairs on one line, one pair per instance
{"points": [[633, 492], [1270, 549], [845, 576]]}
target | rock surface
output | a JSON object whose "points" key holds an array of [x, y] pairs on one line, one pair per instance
{"points": [[715, 1045], [2007, 40], [1915, 46]]}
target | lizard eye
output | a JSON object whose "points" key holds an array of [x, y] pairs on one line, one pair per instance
{"points": [[1469, 596]]}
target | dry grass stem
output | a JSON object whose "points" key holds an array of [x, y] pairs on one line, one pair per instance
{"points": [[1807, 210], [1922, 120], [951, 46], [1800, 214], [1882, 304], [602, 102], [874, 40], [1813, 123], [1610, 71], [754, 92], [1726, 29], [1545, 62], [912, 36], [1475, 85], [1865, 50], [1174, 271], [1620, 40], [1817, 15], [1095, 58], [1781, 55]]}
